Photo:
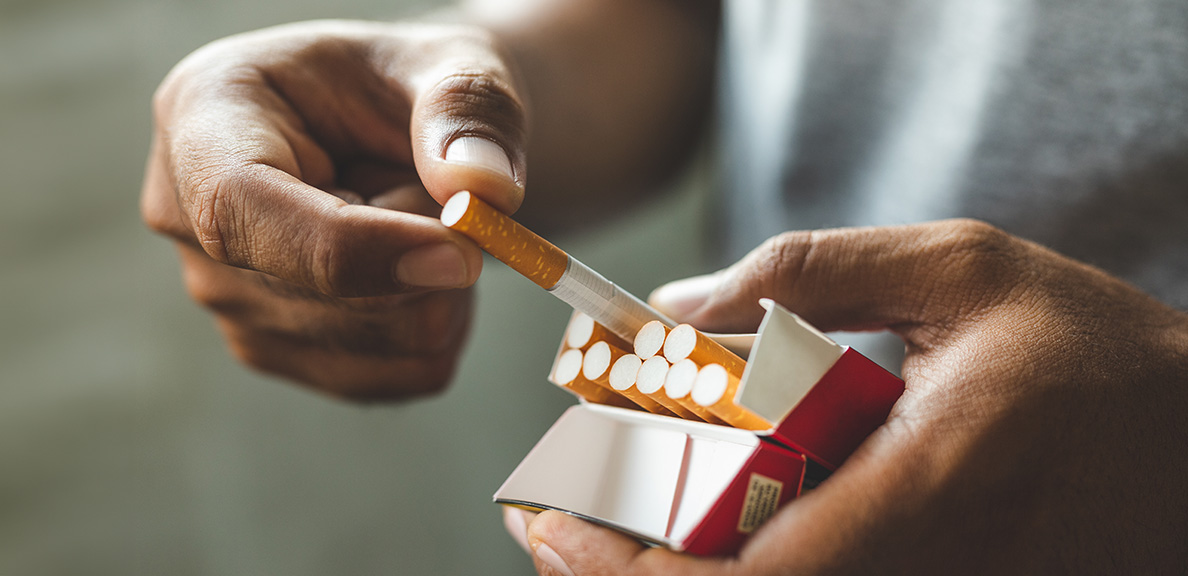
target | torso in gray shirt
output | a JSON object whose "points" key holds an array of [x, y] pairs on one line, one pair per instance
{"points": [[1063, 122]]}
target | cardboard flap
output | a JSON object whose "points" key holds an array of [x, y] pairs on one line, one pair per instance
{"points": [[788, 358], [648, 475], [771, 478], [852, 400], [710, 466]]}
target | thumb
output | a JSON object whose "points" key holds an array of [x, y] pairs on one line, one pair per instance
{"points": [[468, 127], [567, 546], [856, 278]]}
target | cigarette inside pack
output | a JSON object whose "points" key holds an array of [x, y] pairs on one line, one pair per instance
{"points": [[679, 439], [677, 372]]}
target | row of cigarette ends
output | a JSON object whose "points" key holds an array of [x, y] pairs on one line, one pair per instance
{"points": [[679, 372]]}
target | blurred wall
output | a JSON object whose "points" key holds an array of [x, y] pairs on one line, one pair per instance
{"points": [[131, 442]]}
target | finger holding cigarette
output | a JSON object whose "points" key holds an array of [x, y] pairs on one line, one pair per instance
{"points": [[548, 266]]}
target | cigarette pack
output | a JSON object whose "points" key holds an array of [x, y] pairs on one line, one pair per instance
{"points": [[704, 488]]}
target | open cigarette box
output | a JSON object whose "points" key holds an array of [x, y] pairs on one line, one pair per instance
{"points": [[700, 487]]}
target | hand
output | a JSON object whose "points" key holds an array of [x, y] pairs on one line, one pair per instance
{"points": [[1042, 428], [300, 171]]}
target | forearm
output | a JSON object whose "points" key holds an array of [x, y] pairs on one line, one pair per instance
{"points": [[618, 92]]}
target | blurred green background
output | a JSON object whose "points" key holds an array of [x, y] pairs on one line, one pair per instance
{"points": [[132, 443]]}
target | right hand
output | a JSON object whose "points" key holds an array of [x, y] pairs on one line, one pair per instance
{"points": [[300, 171]]}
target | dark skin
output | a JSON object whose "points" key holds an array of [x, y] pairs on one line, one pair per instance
{"points": [[300, 171], [1039, 433]]}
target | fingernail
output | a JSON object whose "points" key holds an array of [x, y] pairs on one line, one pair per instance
{"points": [[552, 559], [481, 153], [435, 266], [513, 521], [680, 298]]}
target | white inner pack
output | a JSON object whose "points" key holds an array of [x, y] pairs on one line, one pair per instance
{"points": [[654, 476], [788, 358]]}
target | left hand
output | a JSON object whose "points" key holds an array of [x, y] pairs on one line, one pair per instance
{"points": [[1042, 428]]}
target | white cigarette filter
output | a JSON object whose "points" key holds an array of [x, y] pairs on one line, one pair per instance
{"points": [[584, 331], [625, 371], [568, 366], [685, 341], [622, 378], [679, 381], [650, 381], [650, 378], [650, 339], [567, 375], [598, 360], [548, 266], [678, 384], [715, 389]]}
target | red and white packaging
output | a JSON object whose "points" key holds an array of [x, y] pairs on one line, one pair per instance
{"points": [[703, 488]]}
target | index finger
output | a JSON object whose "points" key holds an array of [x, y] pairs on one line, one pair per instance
{"points": [[238, 170]]}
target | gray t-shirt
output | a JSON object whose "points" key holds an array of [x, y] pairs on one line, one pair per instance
{"points": [[1065, 122]]}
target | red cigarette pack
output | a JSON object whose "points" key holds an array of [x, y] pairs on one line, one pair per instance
{"points": [[704, 488]]}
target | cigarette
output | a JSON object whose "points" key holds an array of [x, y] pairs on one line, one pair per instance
{"points": [[649, 380], [548, 266], [650, 339], [685, 341], [715, 388], [678, 384], [584, 331], [567, 375], [621, 378]]}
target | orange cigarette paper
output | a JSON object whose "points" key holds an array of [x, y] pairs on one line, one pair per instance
{"points": [[504, 238], [700, 411], [623, 398], [739, 417], [675, 407], [592, 392], [646, 402]]}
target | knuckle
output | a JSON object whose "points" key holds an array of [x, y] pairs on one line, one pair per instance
{"points": [[212, 201], [782, 261], [977, 247], [330, 263], [979, 262]]}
